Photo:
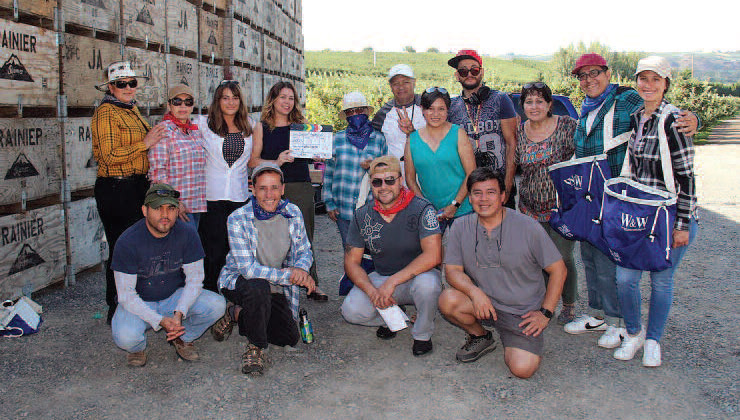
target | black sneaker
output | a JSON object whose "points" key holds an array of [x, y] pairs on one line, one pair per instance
{"points": [[384, 333], [422, 347], [475, 347]]}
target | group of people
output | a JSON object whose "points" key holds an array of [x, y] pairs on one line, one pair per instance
{"points": [[426, 186]]}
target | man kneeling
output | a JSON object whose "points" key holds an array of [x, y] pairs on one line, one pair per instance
{"points": [[494, 260]]}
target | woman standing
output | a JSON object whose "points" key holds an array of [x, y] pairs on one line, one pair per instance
{"points": [[228, 133], [121, 138], [281, 109], [180, 160], [442, 157], [543, 140], [645, 163]]}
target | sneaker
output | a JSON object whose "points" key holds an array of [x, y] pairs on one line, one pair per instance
{"points": [[630, 345], [137, 359], [475, 347], [585, 323], [254, 360], [651, 354], [186, 351], [567, 314], [612, 338], [221, 330], [385, 333], [421, 347]]}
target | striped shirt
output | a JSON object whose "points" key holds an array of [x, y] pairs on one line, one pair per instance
{"points": [[179, 159], [644, 158], [118, 145], [343, 173], [242, 258]]}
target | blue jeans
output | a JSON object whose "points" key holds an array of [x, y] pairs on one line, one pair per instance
{"points": [[129, 330], [661, 292], [600, 280], [343, 226]]}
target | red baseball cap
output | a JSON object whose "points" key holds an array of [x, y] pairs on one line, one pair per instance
{"points": [[590, 59], [464, 55]]}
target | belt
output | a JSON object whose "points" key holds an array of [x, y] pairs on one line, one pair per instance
{"points": [[125, 178]]}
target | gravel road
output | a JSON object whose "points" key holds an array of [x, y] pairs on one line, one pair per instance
{"points": [[72, 369]]}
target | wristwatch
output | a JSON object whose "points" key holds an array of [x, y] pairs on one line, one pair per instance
{"points": [[455, 203], [546, 312]]}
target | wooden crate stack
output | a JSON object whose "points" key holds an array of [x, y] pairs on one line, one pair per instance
{"points": [[54, 52]]}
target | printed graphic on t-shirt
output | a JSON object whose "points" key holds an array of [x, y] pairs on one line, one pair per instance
{"points": [[429, 219], [371, 232], [483, 126]]}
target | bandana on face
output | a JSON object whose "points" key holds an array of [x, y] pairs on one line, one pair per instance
{"points": [[359, 129], [589, 103], [110, 99]]}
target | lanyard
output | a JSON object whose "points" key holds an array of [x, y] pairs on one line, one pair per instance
{"points": [[475, 123]]}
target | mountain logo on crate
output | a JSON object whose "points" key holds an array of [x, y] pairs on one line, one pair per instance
{"points": [[242, 46], [13, 69], [27, 258], [145, 17], [212, 39], [21, 168], [184, 81], [96, 3]]}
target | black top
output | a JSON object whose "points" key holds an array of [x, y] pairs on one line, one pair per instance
{"points": [[275, 142], [233, 147]]}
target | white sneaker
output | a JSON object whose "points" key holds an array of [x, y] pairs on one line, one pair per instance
{"points": [[630, 345], [612, 338], [585, 323], [651, 354]]}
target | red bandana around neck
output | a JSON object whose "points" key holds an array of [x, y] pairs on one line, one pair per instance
{"points": [[184, 126], [404, 199]]}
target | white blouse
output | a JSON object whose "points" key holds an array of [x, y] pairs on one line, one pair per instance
{"points": [[224, 182]]}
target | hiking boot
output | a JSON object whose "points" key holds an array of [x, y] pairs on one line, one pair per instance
{"points": [[254, 360], [612, 338], [385, 333], [186, 351], [585, 323], [630, 345], [567, 314], [651, 354], [137, 359], [221, 330], [475, 347], [421, 347]]}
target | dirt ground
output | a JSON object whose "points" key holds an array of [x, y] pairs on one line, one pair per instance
{"points": [[73, 370]]}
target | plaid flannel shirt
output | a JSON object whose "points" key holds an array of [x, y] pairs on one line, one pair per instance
{"points": [[343, 173], [118, 141], [625, 101], [645, 166], [180, 160], [242, 258]]}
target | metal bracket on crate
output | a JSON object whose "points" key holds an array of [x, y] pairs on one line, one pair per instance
{"points": [[213, 57], [69, 276], [61, 106], [24, 196], [15, 10], [20, 106], [166, 44], [66, 191], [59, 38], [146, 42]]}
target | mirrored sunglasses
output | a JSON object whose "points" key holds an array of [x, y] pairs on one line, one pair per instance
{"points": [[378, 182], [437, 89], [166, 193]]}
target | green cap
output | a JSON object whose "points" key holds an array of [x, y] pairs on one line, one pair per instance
{"points": [[160, 194]]}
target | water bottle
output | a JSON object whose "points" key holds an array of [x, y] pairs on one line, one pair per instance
{"points": [[305, 327]]}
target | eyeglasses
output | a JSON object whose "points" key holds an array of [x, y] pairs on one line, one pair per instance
{"points": [[354, 111], [473, 71], [437, 89], [378, 182], [592, 74], [120, 84], [166, 193], [180, 101], [537, 85], [229, 83], [499, 243]]}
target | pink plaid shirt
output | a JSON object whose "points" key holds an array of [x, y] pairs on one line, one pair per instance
{"points": [[180, 160]]}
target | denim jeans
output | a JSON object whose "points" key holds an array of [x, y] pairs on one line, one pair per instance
{"points": [[661, 292], [565, 246], [343, 226], [129, 331], [600, 280]]}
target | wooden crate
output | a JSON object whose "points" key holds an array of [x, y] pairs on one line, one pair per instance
{"points": [[242, 75], [298, 11], [270, 54], [30, 159], [182, 24], [153, 92], [216, 4], [289, 61], [301, 88], [84, 61], [43, 8], [255, 83], [79, 161], [289, 7], [300, 65], [87, 243], [144, 20], [269, 12], [101, 15], [268, 80], [33, 254], [211, 30], [250, 9], [182, 70], [29, 73], [210, 76], [241, 8]]}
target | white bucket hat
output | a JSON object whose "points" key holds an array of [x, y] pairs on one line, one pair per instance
{"points": [[659, 65], [119, 70], [355, 100]]}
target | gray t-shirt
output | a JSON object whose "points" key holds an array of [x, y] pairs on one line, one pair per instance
{"points": [[393, 245], [273, 244], [512, 278]]}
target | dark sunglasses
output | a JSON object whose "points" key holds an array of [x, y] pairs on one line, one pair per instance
{"points": [[229, 83], [592, 74], [537, 85], [180, 101], [464, 72], [167, 193], [437, 89], [378, 182], [120, 84]]}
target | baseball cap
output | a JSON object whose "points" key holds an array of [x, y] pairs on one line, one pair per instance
{"points": [[267, 166], [179, 90], [160, 194], [590, 59], [657, 64], [392, 164], [402, 70], [465, 55]]}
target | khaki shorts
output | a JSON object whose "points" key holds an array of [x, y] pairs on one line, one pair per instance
{"points": [[511, 333]]}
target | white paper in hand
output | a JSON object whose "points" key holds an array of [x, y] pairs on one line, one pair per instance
{"points": [[394, 317]]}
